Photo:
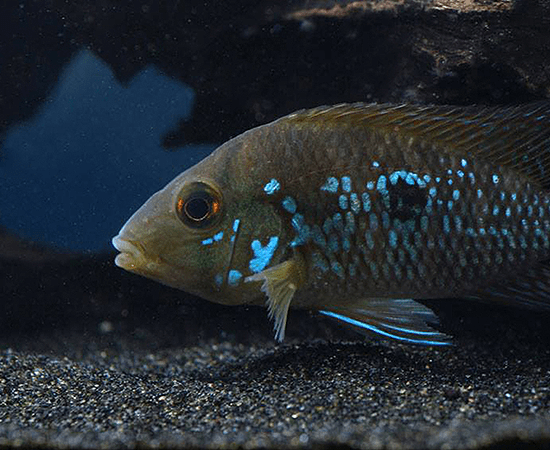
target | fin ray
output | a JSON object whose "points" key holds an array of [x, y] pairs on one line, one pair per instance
{"points": [[399, 319]]}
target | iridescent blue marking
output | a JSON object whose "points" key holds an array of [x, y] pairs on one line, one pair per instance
{"points": [[446, 224], [338, 222], [458, 223], [450, 182], [463, 162], [346, 244], [319, 261], [369, 240], [236, 223], [303, 231], [375, 164], [331, 185], [289, 204], [433, 191], [262, 255], [495, 210], [471, 232], [427, 178], [529, 210], [370, 185], [234, 277], [218, 236], [373, 221], [346, 184], [355, 203], [337, 269], [495, 178], [333, 243], [450, 171], [272, 186], [366, 201], [450, 205], [479, 193], [437, 179], [508, 212], [218, 279], [208, 241], [482, 231], [318, 236], [343, 201], [410, 178], [381, 185], [352, 270], [350, 222], [502, 196], [392, 238], [377, 330], [456, 194], [460, 173], [424, 223]]}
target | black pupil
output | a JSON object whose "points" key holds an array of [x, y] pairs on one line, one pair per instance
{"points": [[197, 208]]}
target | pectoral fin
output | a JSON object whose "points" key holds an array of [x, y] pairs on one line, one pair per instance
{"points": [[280, 282], [400, 319]]}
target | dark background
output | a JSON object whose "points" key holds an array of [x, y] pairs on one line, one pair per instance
{"points": [[91, 355]]}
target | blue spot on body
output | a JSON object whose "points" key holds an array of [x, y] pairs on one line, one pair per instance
{"points": [[446, 224], [456, 194], [338, 223], [234, 277], [346, 244], [376, 164], [392, 238], [463, 162], [460, 173], [370, 185], [262, 255], [272, 186], [355, 203], [369, 240], [218, 236], [208, 241], [427, 178], [346, 184], [218, 279], [331, 185], [495, 210], [289, 204], [333, 243], [437, 179], [433, 191], [381, 184], [366, 201], [350, 222], [343, 201], [236, 223], [373, 220], [495, 178], [479, 193], [337, 269]]}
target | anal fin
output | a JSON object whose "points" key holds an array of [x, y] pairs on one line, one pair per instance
{"points": [[400, 319], [280, 282]]}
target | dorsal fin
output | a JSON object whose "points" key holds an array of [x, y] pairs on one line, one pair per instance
{"points": [[517, 137]]}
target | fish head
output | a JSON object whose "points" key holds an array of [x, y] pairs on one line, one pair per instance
{"points": [[200, 232]]}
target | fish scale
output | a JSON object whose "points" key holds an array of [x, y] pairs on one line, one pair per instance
{"points": [[356, 210]]}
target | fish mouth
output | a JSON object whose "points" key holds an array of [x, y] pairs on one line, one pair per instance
{"points": [[131, 256]]}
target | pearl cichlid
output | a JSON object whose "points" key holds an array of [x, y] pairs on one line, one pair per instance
{"points": [[356, 210]]}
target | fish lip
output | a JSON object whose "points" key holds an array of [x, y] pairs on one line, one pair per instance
{"points": [[130, 253]]}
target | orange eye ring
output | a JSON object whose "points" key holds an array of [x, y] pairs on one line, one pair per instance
{"points": [[198, 205]]}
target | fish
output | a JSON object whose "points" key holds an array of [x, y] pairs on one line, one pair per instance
{"points": [[358, 211]]}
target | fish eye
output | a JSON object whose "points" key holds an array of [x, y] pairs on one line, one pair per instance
{"points": [[198, 205]]}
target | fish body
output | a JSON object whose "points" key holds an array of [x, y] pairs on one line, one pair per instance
{"points": [[355, 210]]}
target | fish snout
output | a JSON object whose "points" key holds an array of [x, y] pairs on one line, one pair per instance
{"points": [[130, 257]]}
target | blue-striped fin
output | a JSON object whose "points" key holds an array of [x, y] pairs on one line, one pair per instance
{"points": [[403, 320]]}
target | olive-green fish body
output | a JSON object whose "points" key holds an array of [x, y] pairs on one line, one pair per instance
{"points": [[353, 210]]}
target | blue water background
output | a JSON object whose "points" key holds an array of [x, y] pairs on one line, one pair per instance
{"points": [[73, 174]]}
